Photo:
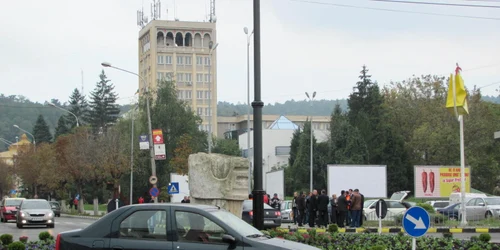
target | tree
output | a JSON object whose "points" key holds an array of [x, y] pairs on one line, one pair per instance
{"points": [[41, 131], [62, 127], [226, 147], [6, 179], [179, 162], [103, 108], [78, 106], [300, 170], [294, 146]]}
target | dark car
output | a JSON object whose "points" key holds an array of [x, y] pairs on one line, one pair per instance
{"points": [[8, 208], [451, 212], [169, 226], [272, 216], [35, 212], [56, 208]]}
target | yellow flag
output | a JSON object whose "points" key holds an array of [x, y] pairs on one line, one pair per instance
{"points": [[457, 96]]}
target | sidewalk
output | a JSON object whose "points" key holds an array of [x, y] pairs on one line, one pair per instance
{"points": [[292, 228]]}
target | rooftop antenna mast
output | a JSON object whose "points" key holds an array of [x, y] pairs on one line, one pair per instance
{"points": [[155, 10], [141, 19], [213, 18]]}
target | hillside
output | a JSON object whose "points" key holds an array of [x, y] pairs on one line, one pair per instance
{"points": [[21, 111]]}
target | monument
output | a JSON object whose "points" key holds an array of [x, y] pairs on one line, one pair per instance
{"points": [[219, 180]]}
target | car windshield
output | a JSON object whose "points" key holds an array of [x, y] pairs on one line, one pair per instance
{"points": [[492, 201], [54, 204], [441, 204], [236, 223], [35, 205], [13, 202], [367, 204]]}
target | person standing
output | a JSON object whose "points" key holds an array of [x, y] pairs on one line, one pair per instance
{"points": [[276, 202], [141, 200], [294, 208], [342, 208], [355, 208], [333, 205], [323, 208], [301, 208], [361, 217], [313, 208]]}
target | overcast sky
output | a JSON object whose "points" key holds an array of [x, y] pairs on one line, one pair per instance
{"points": [[306, 45]]}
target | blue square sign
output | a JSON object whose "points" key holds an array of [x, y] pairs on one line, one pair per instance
{"points": [[173, 188]]}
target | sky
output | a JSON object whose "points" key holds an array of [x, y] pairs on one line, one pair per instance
{"points": [[316, 45]]}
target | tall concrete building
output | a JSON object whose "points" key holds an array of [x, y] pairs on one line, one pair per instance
{"points": [[179, 51]]}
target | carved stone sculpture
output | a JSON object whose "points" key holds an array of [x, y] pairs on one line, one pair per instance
{"points": [[220, 180]]}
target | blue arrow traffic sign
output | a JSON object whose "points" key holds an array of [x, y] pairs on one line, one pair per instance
{"points": [[416, 221], [154, 192], [173, 188]]}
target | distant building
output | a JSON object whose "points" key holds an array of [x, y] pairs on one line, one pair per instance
{"points": [[8, 157]]}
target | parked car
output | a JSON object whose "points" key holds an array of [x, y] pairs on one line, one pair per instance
{"points": [[272, 217], [395, 206], [56, 208], [35, 212], [438, 204], [452, 212], [481, 208], [189, 226], [286, 211], [8, 208]]}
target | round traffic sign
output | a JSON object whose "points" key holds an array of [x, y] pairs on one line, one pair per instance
{"points": [[153, 180], [383, 204], [416, 222], [154, 192]]}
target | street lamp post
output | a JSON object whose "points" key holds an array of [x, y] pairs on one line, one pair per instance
{"points": [[311, 98], [34, 140], [248, 110], [132, 157], [151, 150], [55, 106], [6, 141], [212, 48]]}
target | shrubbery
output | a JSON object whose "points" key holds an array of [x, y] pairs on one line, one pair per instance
{"points": [[45, 242]]}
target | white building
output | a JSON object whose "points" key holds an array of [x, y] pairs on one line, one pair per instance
{"points": [[276, 140]]}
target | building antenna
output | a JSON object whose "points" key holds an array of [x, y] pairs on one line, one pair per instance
{"points": [[213, 18], [175, 7]]}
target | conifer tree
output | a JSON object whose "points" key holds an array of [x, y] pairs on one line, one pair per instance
{"points": [[103, 110], [62, 127], [78, 106], [41, 131]]}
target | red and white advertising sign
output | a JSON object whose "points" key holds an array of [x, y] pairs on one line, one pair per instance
{"points": [[157, 136]]}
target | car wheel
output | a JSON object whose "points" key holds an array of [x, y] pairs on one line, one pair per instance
{"points": [[51, 226], [2, 220], [488, 215], [19, 225]]}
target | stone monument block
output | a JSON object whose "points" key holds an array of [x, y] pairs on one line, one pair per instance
{"points": [[220, 180]]}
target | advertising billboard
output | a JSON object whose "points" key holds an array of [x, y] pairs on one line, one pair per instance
{"points": [[439, 181], [371, 180]]}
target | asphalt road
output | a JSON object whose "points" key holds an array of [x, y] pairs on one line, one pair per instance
{"points": [[62, 224]]}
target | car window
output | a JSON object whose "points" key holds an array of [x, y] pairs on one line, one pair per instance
{"points": [[145, 225], [492, 201], [367, 204], [248, 205], [12, 202], [193, 227], [394, 204], [472, 202]]}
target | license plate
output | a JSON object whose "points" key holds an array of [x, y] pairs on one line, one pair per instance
{"points": [[36, 219], [268, 222]]}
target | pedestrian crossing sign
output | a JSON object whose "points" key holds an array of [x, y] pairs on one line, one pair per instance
{"points": [[173, 188]]}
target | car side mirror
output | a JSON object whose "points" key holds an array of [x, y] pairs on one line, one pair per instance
{"points": [[226, 238], [481, 204]]}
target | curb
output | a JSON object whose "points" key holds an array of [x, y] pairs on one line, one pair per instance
{"points": [[399, 229], [80, 216]]}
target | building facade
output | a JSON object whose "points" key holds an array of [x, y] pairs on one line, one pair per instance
{"points": [[179, 51]]}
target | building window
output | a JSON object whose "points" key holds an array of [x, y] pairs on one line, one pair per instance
{"points": [[207, 112], [180, 94], [199, 94], [159, 75], [207, 61], [180, 60], [168, 59], [188, 60], [207, 95], [160, 59], [188, 77], [199, 60], [168, 76], [282, 150], [180, 77], [199, 77], [187, 94], [199, 111], [207, 77]]}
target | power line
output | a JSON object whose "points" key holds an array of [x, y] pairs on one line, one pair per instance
{"points": [[393, 10], [439, 4]]}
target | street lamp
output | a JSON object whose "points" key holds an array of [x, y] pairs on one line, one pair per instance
{"points": [[34, 140], [248, 110], [6, 141], [212, 48], [151, 152], [55, 106], [311, 170]]}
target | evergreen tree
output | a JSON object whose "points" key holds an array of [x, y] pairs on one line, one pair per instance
{"points": [[294, 146], [62, 127], [78, 106], [41, 131], [103, 110], [300, 170]]}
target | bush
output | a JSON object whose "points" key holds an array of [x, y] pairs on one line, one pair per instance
{"points": [[485, 237], [23, 239], [44, 236], [474, 238], [6, 239], [398, 219], [378, 248], [16, 246], [475, 248], [333, 228], [439, 218], [448, 235], [427, 207]]}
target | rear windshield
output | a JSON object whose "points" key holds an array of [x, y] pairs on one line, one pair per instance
{"points": [[36, 205], [248, 205], [12, 202]]}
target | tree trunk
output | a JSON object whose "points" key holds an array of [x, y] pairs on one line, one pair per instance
{"points": [[96, 206]]}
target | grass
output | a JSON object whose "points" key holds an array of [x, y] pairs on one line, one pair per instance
{"points": [[90, 207]]}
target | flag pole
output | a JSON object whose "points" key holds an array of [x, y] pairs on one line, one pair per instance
{"points": [[463, 221]]}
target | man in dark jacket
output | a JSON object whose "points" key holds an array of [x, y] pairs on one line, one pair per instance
{"points": [[301, 208], [342, 208], [323, 201], [294, 207], [313, 208], [361, 218]]}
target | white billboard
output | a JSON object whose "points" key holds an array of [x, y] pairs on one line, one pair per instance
{"points": [[275, 183], [183, 187], [371, 180]]}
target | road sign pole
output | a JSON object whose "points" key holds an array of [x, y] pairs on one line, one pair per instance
{"points": [[379, 217], [414, 244]]}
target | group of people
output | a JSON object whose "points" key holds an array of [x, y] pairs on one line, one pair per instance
{"points": [[274, 202], [313, 208]]}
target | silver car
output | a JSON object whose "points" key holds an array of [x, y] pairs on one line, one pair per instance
{"points": [[35, 212]]}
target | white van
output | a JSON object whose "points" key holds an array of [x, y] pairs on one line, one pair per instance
{"points": [[457, 197]]}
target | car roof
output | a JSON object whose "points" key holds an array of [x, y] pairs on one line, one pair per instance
{"points": [[35, 200], [15, 199], [176, 204]]}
